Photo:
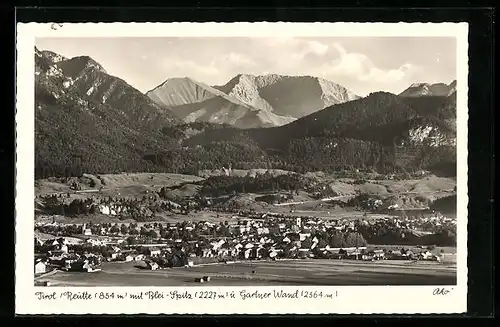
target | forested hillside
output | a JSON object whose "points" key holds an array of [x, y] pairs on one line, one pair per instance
{"points": [[381, 132], [87, 120]]}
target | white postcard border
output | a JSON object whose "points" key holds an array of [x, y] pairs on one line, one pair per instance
{"points": [[348, 299]]}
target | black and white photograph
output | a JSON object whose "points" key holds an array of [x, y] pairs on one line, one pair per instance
{"points": [[245, 161]]}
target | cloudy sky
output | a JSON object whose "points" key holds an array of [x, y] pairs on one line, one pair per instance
{"points": [[362, 64]]}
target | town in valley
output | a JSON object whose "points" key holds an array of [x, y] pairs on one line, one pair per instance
{"points": [[206, 236]]}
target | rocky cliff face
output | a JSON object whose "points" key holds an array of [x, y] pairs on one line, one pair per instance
{"points": [[430, 135], [53, 57]]}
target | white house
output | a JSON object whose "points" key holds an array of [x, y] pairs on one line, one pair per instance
{"points": [[64, 248], [139, 257], [152, 265], [40, 267], [154, 252]]}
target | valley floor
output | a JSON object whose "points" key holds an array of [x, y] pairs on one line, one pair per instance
{"points": [[271, 273]]}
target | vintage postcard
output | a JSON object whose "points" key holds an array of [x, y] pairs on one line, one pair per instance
{"points": [[242, 168]]}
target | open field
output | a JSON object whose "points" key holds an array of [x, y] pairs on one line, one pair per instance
{"points": [[136, 184], [270, 273], [408, 194], [125, 184], [79, 220]]}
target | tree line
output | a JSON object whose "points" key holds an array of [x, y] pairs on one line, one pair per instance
{"points": [[216, 186]]}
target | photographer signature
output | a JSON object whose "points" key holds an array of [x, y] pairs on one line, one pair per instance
{"points": [[441, 291]]}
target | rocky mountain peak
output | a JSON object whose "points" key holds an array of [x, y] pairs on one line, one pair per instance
{"points": [[77, 65], [304, 94], [427, 89], [54, 57]]}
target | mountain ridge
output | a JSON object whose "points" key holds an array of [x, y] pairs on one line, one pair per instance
{"points": [[179, 84], [382, 131], [261, 96], [195, 101], [428, 89], [88, 120]]}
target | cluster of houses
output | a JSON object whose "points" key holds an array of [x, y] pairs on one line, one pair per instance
{"points": [[64, 253], [264, 236], [166, 255], [429, 224], [56, 254]]}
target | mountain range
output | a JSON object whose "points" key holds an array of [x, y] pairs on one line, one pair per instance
{"points": [[249, 101], [87, 120], [194, 101]]}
